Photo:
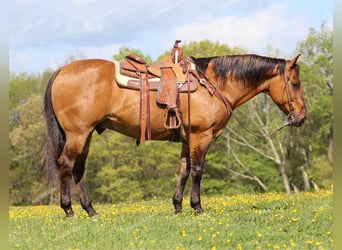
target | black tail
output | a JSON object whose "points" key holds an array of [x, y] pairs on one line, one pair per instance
{"points": [[55, 137]]}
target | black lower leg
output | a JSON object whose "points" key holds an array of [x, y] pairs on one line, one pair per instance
{"points": [[78, 173], [183, 174], [195, 199], [67, 209], [183, 177], [85, 199], [65, 199]]}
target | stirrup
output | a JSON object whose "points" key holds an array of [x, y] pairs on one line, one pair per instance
{"points": [[172, 121]]}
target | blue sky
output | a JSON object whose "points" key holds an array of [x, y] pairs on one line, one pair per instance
{"points": [[44, 34]]}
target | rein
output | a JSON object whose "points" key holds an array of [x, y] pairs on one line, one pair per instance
{"points": [[214, 91]]}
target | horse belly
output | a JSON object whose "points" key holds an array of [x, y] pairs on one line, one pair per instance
{"points": [[125, 115]]}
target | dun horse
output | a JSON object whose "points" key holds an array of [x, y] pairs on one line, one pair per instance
{"points": [[84, 96]]}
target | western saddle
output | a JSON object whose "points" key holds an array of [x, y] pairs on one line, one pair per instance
{"points": [[169, 77]]}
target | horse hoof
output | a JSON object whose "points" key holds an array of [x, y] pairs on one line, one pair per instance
{"points": [[199, 211], [178, 211], [69, 213]]}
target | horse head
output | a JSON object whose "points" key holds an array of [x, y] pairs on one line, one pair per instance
{"points": [[286, 92]]}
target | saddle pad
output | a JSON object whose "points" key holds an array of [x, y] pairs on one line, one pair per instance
{"points": [[134, 83]]}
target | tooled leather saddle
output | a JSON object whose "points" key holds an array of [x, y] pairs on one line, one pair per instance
{"points": [[168, 77]]}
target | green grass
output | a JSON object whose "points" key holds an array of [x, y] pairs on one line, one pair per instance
{"points": [[262, 221]]}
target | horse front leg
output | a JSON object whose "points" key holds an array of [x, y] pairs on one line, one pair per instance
{"points": [[183, 174], [196, 171], [198, 151]]}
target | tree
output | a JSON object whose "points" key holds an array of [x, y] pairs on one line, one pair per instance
{"points": [[271, 147], [126, 171], [26, 147], [317, 73], [26, 136], [124, 51]]}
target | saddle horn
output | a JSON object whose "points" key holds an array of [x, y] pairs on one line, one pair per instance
{"points": [[176, 52]]}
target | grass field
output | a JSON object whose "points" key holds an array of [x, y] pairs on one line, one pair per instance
{"points": [[261, 221]]}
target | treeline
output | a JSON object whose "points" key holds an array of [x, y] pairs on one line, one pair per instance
{"points": [[238, 162]]}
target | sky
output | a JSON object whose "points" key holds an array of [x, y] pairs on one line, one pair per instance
{"points": [[45, 34]]}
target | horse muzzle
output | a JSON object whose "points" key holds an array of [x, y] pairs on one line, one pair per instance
{"points": [[294, 120]]}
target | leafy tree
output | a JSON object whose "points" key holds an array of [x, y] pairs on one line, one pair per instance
{"points": [[146, 167], [26, 136], [316, 75], [124, 51], [26, 147]]}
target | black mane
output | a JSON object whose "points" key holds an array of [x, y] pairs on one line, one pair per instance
{"points": [[249, 69]]}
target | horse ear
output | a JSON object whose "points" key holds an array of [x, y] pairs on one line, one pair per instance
{"points": [[294, 60]]}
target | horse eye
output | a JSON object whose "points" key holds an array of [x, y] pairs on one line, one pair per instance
{"points": [[295, 84]]}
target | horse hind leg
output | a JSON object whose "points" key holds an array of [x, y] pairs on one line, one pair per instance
{"points": [[78, 174], [73, 148]]}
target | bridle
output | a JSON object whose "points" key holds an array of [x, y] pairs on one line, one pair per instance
{"points": [[290, 117]]}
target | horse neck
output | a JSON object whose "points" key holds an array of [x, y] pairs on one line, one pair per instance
{"points": [[238, 93]]}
